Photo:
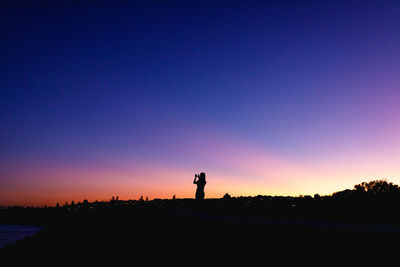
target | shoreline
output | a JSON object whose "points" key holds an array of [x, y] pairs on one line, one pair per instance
{"points": [[13, 233]]}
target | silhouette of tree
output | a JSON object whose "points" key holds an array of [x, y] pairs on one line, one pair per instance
{"points": [[226, 196], [381, 189], [345, 194], [377, 187]]}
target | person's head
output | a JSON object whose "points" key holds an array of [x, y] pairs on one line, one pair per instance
{"points": [[202, 176]]}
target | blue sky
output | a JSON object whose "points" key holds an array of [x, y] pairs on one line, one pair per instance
{"points": [[87, 85]]}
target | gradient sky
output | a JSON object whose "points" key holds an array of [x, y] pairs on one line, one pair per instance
{"points": [[266, 97]]}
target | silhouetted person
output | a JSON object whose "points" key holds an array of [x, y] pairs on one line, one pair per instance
{"points": [[201, 183]]}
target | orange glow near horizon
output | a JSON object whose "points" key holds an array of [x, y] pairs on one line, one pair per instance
{"points": [[241, 170]]}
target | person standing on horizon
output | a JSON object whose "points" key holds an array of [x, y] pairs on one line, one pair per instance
{"points": [[201, 183]]}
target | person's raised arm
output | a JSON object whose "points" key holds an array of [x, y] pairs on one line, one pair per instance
{"points": [[194, 181]]}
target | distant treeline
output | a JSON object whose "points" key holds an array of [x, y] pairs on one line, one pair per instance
{"points": [[377, 190], [377, 199]]}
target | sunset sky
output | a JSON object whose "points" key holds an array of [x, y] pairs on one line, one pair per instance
{"points": [[265, 97]]}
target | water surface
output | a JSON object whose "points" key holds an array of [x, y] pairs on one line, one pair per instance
{"points": [[13, 233]]}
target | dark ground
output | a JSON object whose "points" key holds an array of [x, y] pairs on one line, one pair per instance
{"points": [[183, 231]]}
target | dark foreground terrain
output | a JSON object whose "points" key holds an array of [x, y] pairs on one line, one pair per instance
{"points": [[229, 230]]}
